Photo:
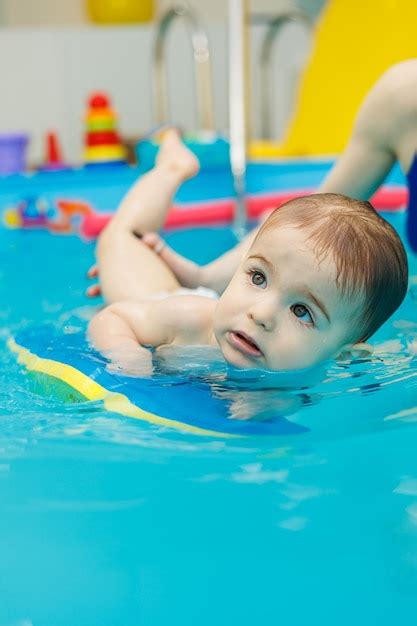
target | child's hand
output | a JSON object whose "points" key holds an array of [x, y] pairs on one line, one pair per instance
{"points": [[189, 274], [94, 290], [112, 331], [131, 367]]}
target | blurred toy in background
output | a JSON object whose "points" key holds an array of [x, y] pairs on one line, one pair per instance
{"points": [[30, 212], [13, 152], [122, 12], [70, 215], [103, 145], [64, 216], [53, 154]]}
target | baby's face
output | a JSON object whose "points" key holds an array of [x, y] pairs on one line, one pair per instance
{"points": [[283, 309]]}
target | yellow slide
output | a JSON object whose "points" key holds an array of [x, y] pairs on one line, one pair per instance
{"points": [[355, 42]]}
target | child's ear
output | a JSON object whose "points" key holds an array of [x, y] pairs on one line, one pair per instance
{"points": [[354, 351]]}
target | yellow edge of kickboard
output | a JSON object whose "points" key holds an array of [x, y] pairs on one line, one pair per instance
{"points": [[115, 402]]}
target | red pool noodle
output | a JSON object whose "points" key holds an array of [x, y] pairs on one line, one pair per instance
{"points": [[214, 212]]}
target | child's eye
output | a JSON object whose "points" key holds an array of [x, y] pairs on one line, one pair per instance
{"points": [[303, 314], [258, 278]]}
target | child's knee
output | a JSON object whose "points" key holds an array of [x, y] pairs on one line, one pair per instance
{"points": [[107, 239]]}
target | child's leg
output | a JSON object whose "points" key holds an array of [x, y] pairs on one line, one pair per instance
{"points": [[129, 270]]}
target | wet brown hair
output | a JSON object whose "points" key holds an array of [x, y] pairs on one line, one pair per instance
{"points": [[369, 255]]}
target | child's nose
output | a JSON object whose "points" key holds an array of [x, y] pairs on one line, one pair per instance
{"points": [[264, 313]]}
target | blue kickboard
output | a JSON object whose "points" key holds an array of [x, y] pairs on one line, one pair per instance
{"points": [[188, 400]]}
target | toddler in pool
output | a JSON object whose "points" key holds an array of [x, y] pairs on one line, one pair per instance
{"points": [[323, 273]]}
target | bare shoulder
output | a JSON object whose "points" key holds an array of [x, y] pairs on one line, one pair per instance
{"points": [[172, 319], [400, 76], [189, 317], [387, 119], [393, 98], [183, 306], [189, 307]]}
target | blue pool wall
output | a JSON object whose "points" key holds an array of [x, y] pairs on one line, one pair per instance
{"points": [[104, 187]]}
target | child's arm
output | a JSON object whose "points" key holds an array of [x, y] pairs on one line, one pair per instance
{"points": [[385, 131], [370, 153], [113, 333], [215, 275], [121, 330]]}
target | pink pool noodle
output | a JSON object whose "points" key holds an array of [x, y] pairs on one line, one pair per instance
{"points": [[205, 213]]}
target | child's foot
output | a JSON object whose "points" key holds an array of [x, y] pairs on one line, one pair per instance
{"points": [[174, 155]]}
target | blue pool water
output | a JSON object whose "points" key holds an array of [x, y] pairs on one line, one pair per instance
{"points": [[106, 520], [105, 188]]}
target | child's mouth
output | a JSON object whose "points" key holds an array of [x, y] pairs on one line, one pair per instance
{"points": [[244, 343]]}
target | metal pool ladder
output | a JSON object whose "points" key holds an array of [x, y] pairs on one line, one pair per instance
{"points": [[273, 30], [238, 93], [201, 55], [238, 108]]}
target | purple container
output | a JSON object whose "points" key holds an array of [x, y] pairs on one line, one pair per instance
{"points": [[13, 152]]}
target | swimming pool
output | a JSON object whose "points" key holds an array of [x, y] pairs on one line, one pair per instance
{"points": [[106, 520]]}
